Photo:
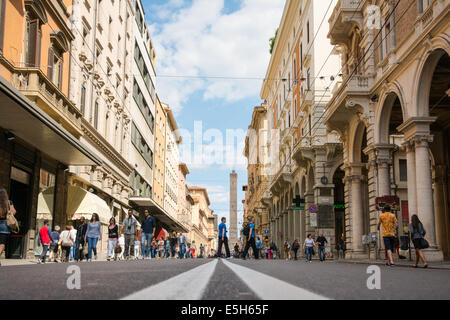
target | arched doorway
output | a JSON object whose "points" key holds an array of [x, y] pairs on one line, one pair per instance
{"points": [[339, 205], [437, 98]]}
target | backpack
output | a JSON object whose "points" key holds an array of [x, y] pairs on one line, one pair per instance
{"points": [[246, 230]]}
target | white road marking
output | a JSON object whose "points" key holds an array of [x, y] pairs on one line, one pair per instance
{"points": [[189, 285], [270, 288]]}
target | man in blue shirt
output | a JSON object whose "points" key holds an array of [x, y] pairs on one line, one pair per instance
{"points": [[251, 240], [223, 239], [148, 233]]}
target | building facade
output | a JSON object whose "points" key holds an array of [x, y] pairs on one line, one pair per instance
{"points": [[391, 112], [35, 50], [173, 139], [258, 175], [204, 222], [302, 154], [159, 171]]}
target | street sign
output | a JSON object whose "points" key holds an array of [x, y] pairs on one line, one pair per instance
{"points": [[266, 231], [298, 208], [313, 209]]}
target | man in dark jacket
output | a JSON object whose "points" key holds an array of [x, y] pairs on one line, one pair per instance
{"points": [[79, 242]]}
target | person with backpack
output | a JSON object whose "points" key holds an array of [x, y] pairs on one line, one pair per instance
{"points": [[287, 249], [295, 246], [67, 240], [418, 232], [129, 229], [80, 242], [250, 240], [54, 244]]}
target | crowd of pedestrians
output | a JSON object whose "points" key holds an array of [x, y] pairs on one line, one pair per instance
{"points": [[134, 240], [131, 241]]}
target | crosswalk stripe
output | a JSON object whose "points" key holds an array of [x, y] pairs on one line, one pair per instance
{"points": [[188, 285], [270, 288]]}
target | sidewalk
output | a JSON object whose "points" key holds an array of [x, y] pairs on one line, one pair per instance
{"points": [[404, 263], [16, 262]]}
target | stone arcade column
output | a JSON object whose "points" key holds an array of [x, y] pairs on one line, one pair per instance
{"points": [[384, 161], [424, 187], [411, 172], [357, 211], [417, 133]]}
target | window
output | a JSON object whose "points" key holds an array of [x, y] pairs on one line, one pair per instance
{"points": [[307, 31], [33, 42], [2, 23], [308, 80], [139, 18], [423, 4], [141, 145], [139, 185], [143, 106], [144, 71], [403, 169], [83, 99], [96, 115], [55, 66]]}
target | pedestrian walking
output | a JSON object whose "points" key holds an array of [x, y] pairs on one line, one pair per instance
{"points": [[308, 246], [45, 240], [67, 240], [54, 244], [389, 222], [341, 246], [113, 237], [259, 246], [236, 250], [154, 249], [161, 248], [193, 249], [182, 245], [6, 207], [122, 245], [148, 227], [418, 233], [295, 247], [129, 228], [80, 242], [93, 235], [202, 251], [173, 245], [188, 251], [137, 247], [167, 247], [287, 249], [250, 239], [73, 234], [321, 242], [223, 239], [273, 250]]}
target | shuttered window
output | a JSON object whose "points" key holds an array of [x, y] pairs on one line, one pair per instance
{"points": [[33, 39]]}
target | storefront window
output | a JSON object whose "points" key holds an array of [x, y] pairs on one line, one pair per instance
{"points": [[46, 200]]}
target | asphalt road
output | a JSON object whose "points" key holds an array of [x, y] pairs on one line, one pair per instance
{"points": [[220, 280]]}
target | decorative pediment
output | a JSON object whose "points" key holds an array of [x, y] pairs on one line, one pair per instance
{"points": [[59, 40], [36, 8]]}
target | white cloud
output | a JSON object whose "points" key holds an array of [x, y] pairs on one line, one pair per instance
{"points": [[201, 40]]}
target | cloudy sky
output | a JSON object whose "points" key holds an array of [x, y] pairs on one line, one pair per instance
{"points": [[211, 57]]}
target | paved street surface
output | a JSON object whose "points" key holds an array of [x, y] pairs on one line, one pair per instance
{"points": [[220, 280]]}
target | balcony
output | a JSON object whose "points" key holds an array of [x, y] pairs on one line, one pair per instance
{"points": [[346, 14], [35, 85]]}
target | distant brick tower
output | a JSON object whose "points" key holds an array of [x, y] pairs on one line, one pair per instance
{"points": [[233, 235]]}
